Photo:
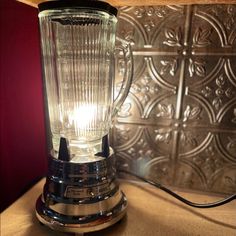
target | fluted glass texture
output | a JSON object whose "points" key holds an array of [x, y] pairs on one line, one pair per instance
{"points": [[78, 64]]}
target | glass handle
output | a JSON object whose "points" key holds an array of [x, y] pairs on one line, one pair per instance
{"points": [[125, 49]]}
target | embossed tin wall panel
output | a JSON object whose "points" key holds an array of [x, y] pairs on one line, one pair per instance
{"points": [[178, 124]]}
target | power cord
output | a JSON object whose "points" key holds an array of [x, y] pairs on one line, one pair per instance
{"points": [[192, 204]]}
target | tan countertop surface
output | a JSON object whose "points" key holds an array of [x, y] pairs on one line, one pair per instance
{"points": [[151, 212]]}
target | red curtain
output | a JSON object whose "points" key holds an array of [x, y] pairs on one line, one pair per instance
{"points": [[22, 147]]}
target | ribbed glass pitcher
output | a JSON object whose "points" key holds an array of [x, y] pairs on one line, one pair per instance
{"points": [[78, 43]]}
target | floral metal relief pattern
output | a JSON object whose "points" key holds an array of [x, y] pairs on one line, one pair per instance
{"points": [[178, 123]]}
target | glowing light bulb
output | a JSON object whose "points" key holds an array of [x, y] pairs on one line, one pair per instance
{"points": [[84, 117]]}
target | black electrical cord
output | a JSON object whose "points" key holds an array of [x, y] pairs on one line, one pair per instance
{"points": [[192, 204]]}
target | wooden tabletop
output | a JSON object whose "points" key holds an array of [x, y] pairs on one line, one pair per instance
{"points": [[151, 212]]}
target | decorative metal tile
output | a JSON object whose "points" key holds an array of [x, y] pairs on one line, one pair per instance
{"points": [[178, 124]]}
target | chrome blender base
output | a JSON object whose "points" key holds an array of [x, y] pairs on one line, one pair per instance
{"points": [[81, 197], [83, 224]]}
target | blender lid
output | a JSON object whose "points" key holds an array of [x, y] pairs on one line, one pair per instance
{"points": [[83, 4]]}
